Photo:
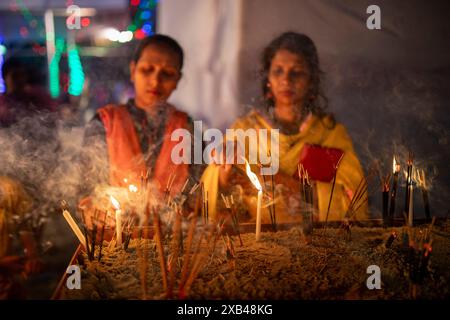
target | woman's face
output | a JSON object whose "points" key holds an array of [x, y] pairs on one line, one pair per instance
{"points": [[289, 78], [155, 76]]}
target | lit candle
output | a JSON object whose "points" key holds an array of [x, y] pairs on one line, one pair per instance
{"points": [[118, 220], [411, 212], [385, 198], [409, 172], [422, 183], [395, 171], [258, 216], [254, 180], [73, 225]]}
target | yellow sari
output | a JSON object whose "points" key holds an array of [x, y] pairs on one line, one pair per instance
{"points": [[314, 131], [13, 202]]}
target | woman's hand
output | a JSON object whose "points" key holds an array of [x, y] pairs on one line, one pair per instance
{"points": [[225, 166], [224, 174]]}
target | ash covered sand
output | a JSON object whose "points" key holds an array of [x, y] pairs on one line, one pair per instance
{"points": [[280, 266]]}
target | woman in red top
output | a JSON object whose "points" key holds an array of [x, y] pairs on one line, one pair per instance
{"points": [[135, 138], [138, 133]]}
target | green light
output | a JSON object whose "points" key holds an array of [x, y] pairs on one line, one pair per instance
{"points": [[2, 50], [54, 69], [76, 74]]}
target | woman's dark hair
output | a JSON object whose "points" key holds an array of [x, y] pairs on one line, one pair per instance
{"points": [[303, 46], [161, 41]]}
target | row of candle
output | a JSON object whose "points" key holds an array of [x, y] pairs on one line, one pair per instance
{"points": [[412, 177]]}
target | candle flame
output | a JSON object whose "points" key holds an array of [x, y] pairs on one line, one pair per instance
{"points": [[132, 188], [114, 202], [252, 176], [395, 166], [420, 178]]}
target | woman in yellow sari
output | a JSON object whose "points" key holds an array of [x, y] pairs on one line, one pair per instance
{"points": [[295, 103]]}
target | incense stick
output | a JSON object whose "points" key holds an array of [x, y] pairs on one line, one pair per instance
{"points": [[158, 239], [187, 254], [175, 252]]}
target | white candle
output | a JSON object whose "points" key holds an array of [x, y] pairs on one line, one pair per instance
{"points": [[119, 227], [74, 227], [118, 220], [411, 201], [254, 180], [258, 216]]}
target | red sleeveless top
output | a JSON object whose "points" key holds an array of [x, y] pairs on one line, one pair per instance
{"points": [[126, 160]]}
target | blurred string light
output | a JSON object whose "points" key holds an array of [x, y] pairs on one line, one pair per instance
{"points": [[143, 21], [31, 20], [117, 36], [54, 68], [76, 74], [2, 54]]}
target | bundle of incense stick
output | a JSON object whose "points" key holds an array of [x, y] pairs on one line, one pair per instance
{"points": [[273, 218], [197, 262], [271, 196], [409, 181], [187, 254], [385, 198], [423, 185], [159, 245], [220, 228], [360, 196], [168, 189], [144, 179], [128, 230], [205, 203], [395, 170], [417, 253], [184, 186], [102, 235], [194, 188], [175, 251], [229, 204], [90, 235], [228, 243], [192, 261], [391, 239], [94, 234], [142, 253], [307, 198]]}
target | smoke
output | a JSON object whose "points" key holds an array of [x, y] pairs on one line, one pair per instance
{"points": [[50, 160], [389, 110]]}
